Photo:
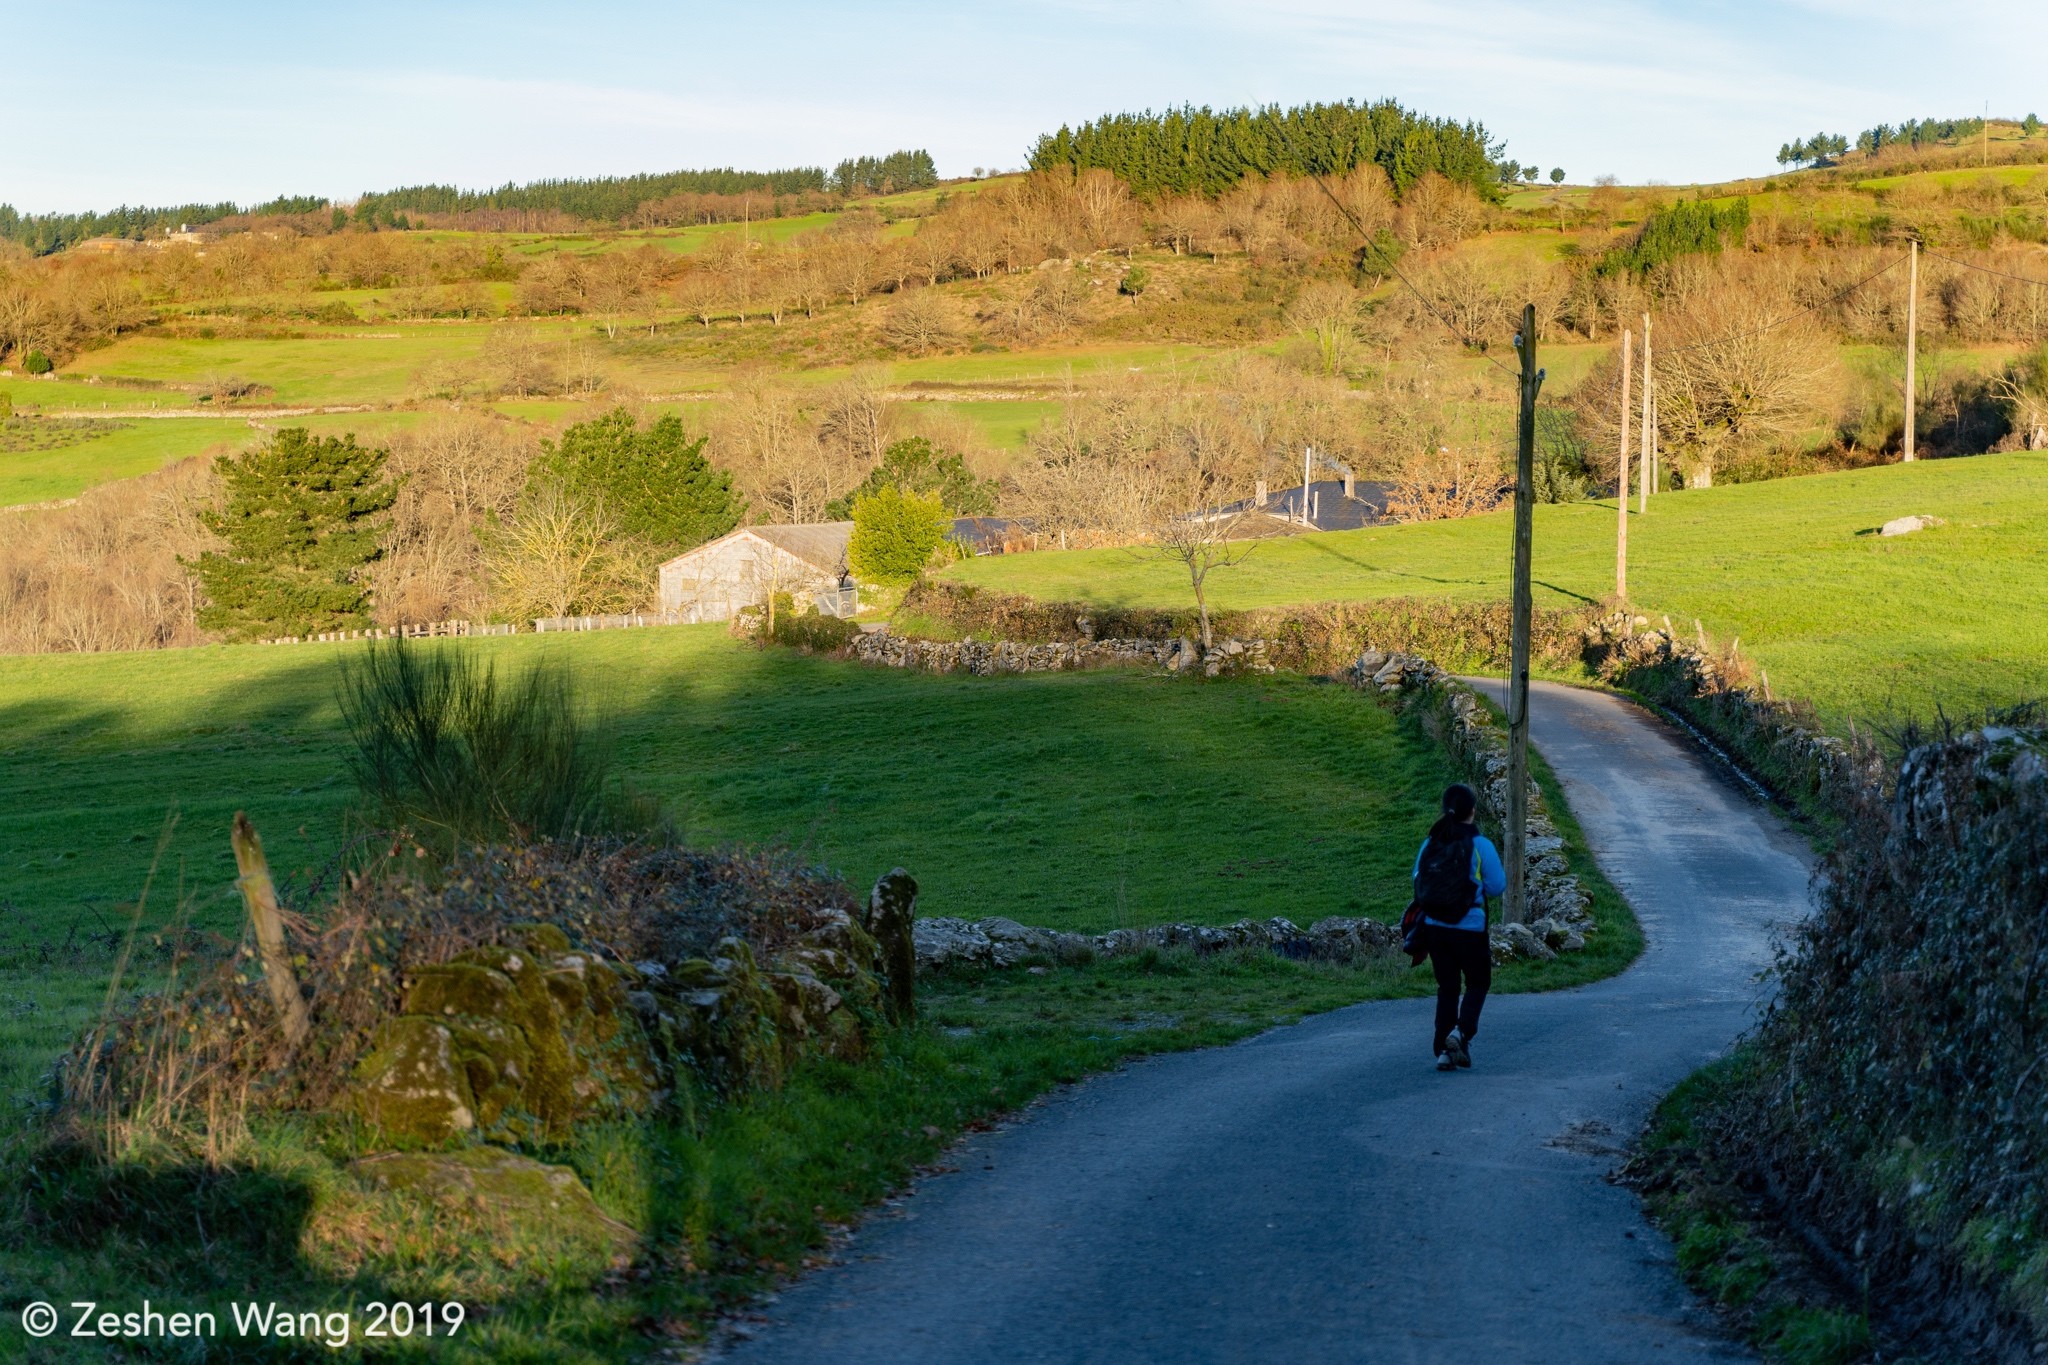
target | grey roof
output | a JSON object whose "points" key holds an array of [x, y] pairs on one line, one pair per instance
{"points": [[821, 544], [1333, 511]]}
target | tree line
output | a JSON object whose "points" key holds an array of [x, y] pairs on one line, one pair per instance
{"points": [[1199, 150], [631, 200]]}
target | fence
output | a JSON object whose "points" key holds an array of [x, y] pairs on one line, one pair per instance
{"points": [[422, 631], [619, 621]]}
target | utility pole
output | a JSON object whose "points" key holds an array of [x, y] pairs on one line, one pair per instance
{"points": [[1307, 456], [1517, 908], [1912, 334], [1621, 483], [1646, 449]]}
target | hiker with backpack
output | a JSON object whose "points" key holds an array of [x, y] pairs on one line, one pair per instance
{"points": [[1456, 869]]}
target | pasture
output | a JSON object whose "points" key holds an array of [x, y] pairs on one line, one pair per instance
{"points": [[1079, 801], [1866, 627]]}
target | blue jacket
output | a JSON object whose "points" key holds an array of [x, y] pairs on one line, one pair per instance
{"points": [[1489, 879]]}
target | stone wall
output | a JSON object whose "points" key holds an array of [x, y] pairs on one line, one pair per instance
{"points": [[1780, 743], [983, 657]]}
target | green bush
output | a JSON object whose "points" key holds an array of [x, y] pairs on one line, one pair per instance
{"points": [[457, 757], [813, 631], [894, 535], [35, 362], [915, 465]]}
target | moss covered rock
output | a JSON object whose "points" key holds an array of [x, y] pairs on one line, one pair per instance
{"points": [[516, 1041], [529, 1201]]}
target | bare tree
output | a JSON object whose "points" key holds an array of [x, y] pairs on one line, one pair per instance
{"points": [[1192, 529], [920, 321], [1738, 369], [1325, 311], [555, 556]]}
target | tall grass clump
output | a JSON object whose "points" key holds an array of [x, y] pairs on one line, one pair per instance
{"points": [[456, 755]]}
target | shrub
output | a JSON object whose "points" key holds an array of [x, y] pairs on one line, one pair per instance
{"points": [[894, 534], [35, 362], [453, 755], [813, 631]]}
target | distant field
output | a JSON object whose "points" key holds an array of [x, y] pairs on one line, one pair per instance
{"points": [[1865, 627], [146, 444], [1083, 801]]}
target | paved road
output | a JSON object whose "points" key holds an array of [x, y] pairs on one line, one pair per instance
{"points": [[1321, 1193]]}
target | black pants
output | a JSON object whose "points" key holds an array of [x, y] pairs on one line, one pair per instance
{"points": [[1452, 953]]}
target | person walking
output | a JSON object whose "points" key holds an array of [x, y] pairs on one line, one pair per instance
{"points": [[1456, 869]]}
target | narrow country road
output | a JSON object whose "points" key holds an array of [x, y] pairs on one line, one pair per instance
{"points": [[1320, 1193]]}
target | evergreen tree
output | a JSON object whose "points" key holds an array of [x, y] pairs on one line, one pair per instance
{"points": [[653, 480], [1200, 150], [915, 465], [301, 520]]}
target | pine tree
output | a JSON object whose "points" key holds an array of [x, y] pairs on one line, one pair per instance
{"points": [[301, 520], [654, 481]]}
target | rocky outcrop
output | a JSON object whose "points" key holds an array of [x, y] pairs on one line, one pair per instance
{"points": [[520, 1041], [1178, 655], [527, 1199], [514, 1041]]}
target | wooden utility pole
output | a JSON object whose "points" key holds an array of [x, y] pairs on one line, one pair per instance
{"points": [[1646, 449], [1912, 333], [1621, 483], [1517, 907]]}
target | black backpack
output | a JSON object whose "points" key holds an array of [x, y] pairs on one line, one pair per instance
{"points": [[1444, 886]]}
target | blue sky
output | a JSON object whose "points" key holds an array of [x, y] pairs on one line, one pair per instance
{"points": [[165, 102]]}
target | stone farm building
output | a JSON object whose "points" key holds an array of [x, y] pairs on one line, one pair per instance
{"points": [[717, 579]]}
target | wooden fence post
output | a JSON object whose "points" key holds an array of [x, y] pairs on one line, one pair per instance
{"points": [[260, 894], [892, 910]]}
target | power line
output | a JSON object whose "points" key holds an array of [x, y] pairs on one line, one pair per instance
{"points": [[1835, 297], [1366, 238], [1985, 269]]}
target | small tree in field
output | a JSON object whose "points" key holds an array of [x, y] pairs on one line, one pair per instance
{"points": [[1188, 527], [301, 520], [894, 534]]}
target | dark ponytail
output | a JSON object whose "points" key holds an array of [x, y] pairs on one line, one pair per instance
{"points": [[1459, 803]]}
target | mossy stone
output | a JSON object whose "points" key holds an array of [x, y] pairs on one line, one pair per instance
{"points": [[536, 1202], [413, 1086]]}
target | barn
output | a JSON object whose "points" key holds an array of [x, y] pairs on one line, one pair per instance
{"points": [[720, 577]]}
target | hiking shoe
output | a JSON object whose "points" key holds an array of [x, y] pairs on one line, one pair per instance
{"points": [[1460, 1051], [1444, 1062]]}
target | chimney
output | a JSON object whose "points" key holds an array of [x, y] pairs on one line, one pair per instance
{"points": [[1259, 494], [1350, 485]]}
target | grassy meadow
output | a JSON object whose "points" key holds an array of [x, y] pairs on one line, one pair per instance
{"points": [[1079, 801], [1864, 626]]}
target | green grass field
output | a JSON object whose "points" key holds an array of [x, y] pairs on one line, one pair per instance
{"points": [[1863, 626], [146, 444], [1081, 801]]}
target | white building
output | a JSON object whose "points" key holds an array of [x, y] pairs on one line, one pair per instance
{"points": [[718, 578]]}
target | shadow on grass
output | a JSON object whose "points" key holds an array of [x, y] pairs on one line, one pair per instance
{"points": [[1082, 801]]}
